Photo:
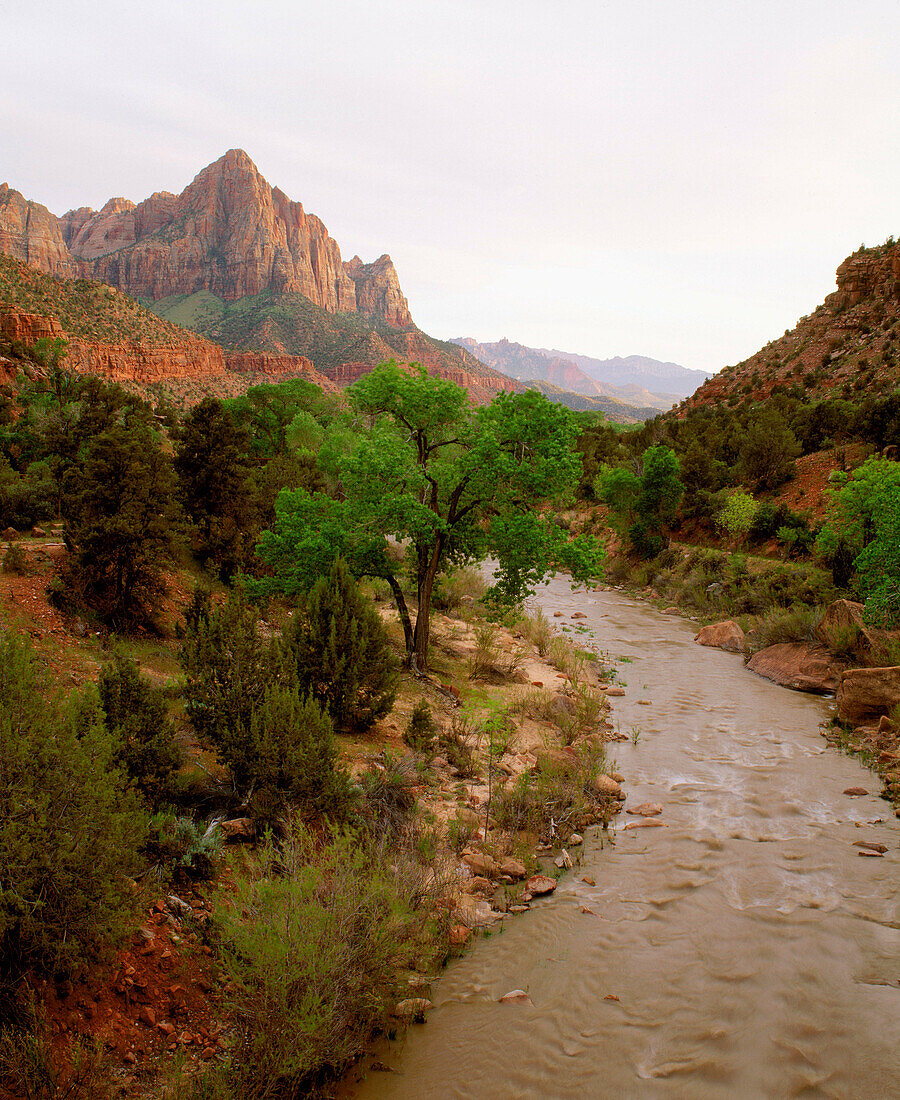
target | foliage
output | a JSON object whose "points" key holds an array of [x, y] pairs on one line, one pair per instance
{"points": [[421, 732], [136, 716], [337, 649], [211, 464], [643, 506], [737, 515], [69, 830], [312, 944], [864, 519], [457, 483], [119, 515], [769, 451]]}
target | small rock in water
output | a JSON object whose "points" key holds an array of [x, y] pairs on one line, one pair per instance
{"points": [[646, 825], [879, 848], [589, 881], [619, 778], [855, 791], [564, 860], [584, 909], [540, 884], [516, 997], [869, 852], [644, 703], [646, 809], [610, 997], [576, 839], [413, 1008], [615, 691]]}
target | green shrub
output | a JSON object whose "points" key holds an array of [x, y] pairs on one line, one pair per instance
{"points": [[795, 624], [313, 945], [556, 799], [69, 830], [16, 561], [137, 718], [337, 648], [176, 845], [227, 665], [421, 732]]}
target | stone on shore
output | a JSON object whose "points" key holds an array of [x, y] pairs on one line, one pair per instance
{"points": [[867, 693], [725, 635], [799, 666]]}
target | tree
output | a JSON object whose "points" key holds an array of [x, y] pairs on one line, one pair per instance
{"points": [[210, 461], [769, 450], [425, 471], [136, 715], [69, 829], [643, 505], [119, 517], [864, 520], [337, 648], [737, 515]]}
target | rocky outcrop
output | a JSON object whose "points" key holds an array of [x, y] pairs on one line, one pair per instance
{"points": [[32, 234], [231, 233], [273, 366], [726, 635], [867, 693], [28, 328], [799, 666], [378, 292]]}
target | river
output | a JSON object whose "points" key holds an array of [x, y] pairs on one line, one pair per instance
{"points": [[750, 949]]}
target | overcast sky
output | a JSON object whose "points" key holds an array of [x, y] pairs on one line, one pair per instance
{"points": [[666, 178]]}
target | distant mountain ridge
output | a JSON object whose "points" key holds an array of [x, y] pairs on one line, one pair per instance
{"points": [[635, 380]]}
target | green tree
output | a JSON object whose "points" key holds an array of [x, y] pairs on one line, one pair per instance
{"points": [[213, 478], [864, 520], [769, 450], [69, 829], [136, 715], [426, 471], [337, 648], [119, 524], [737, 515]]}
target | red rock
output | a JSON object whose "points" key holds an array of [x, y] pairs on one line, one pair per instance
{"points": [[147, 1016], [540, 884], [725, 635], [867, 693], [799, 666], [880, 849], [516, 997], [856, 792]]}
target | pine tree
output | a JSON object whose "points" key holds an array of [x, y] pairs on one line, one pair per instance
{"points": [[137, 718], [338, 649]]}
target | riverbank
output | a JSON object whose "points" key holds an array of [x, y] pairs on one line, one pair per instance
{"points": [[709, 949]]}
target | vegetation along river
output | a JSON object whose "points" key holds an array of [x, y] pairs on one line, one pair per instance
{"points": [[751, 950]]}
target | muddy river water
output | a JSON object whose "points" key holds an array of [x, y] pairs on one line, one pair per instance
{"points": [[751, 950]]}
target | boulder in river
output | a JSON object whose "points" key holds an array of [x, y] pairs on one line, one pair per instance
{"points": [[867, 693], [725, 635], [540, 884], [799, 666]]}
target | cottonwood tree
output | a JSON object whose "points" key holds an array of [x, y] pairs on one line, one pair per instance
{"points": [[425, 482]]}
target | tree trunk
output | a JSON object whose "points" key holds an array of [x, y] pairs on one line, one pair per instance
{"points": [[403, 612], [423, 619]]}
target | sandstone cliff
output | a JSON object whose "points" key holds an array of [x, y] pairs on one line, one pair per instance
{"points": [[29, 232], [848, 347], [231, 233]]}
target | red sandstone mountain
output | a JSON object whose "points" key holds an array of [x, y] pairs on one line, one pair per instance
{"points": [[236, 261], [849, 346]]}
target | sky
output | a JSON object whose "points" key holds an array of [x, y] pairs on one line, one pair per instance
{"points": [[672, 179]]}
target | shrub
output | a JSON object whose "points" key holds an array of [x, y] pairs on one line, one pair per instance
{"points": [[227, 665], [420, 733], [177, 845], [69, 830], [338, 650], [455, 744], [388, 788], [795, 624], [16, 561], [137, 718], [556, 799], [313, 944]]}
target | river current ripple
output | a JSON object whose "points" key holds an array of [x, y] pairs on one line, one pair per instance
{"points": [[752, 951]]}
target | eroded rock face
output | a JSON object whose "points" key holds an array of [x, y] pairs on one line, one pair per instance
{"points": [[867, 693], [726, 635], [231, 233], [31, 233], [799, 666]]}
